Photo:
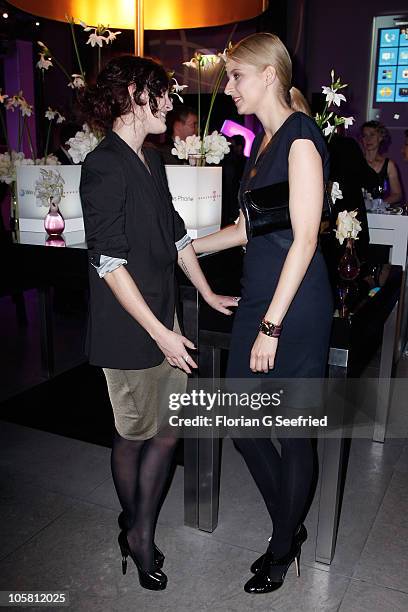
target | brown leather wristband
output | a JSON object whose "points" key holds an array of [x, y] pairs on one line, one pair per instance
{"points": [[270, 329]]}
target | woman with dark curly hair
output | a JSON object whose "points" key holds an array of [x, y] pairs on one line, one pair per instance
{"points": [[134, 239], [385, 180]]}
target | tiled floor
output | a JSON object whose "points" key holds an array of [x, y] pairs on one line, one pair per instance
{"points": [[58, 532], [58, 527]]}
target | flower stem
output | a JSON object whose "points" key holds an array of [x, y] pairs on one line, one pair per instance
{"points": [[4, 129], [199, 98], [61, 67], [47, 142], [20, 133], [218, 82], [30, 142], [74, 40]]}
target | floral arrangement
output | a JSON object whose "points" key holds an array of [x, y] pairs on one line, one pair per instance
{"points": [[12, 159], [348, 226], [85, 140], [211, 146], [329, 120], [99, 36], [49, 188]]}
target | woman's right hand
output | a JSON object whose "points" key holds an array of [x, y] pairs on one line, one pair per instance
{"points": [[174, 346]]}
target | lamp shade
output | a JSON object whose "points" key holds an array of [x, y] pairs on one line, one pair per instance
{"points": [[158, 14]]}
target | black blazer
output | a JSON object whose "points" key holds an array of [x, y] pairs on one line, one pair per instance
{"points": [[128, 213]]}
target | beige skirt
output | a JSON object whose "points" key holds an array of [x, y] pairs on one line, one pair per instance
{"points": [[140, 398]]}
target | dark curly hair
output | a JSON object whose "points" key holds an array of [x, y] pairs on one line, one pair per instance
{"points": [[109, 98]]}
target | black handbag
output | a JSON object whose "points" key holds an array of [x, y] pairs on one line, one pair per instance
{"points": [[266, 209]]}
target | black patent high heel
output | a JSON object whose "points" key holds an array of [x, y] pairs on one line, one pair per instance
{"points": [[154, 580], [299, 537], [262, 582], [158, 556]]}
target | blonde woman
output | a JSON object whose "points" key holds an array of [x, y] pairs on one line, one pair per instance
{"points": [[385, 180], [282, 326]]}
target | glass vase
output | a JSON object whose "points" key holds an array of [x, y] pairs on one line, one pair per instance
{"points": [[54, 223], [349, 265], [197, 159]]}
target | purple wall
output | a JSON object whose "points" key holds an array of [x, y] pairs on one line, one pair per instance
{"points": [[339, 37]]}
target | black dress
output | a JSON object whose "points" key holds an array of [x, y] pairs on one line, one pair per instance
{"points": [[303, 344]]}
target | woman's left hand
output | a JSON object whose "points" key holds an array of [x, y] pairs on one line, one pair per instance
{"points": [[263, 353], [220, 302]]}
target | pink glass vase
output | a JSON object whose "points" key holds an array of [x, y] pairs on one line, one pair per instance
{"points": [[349, 265], [54, 222]]}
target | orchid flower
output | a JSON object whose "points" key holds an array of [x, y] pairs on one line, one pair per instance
{"points": [[44, 63], [77, 82], [176, 89], [332, 97], [336, 193], [348, 121], [328, 120]]}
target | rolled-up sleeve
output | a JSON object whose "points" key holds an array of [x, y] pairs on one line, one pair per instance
{"points": [[103, 196], [182, 239]]}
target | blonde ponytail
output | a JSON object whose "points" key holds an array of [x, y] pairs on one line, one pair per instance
{"points": [[298, 101]]}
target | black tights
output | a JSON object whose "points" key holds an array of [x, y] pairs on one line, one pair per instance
{"points": [[284, 481], [140, 470]]}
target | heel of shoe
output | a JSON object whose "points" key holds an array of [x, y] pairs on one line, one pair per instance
{"points": [[297, 564], [124, 552]]}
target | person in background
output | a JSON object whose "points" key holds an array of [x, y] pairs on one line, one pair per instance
{"points": [[384, 182], [404, 149], [181, 122]]}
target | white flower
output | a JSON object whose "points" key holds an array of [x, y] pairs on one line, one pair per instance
{"points": [[332, 97], [214, 148], [50, 114], [51, 161], [3, 97], [176, 89], [81, 144], [183, 148], [348, 121], [224, 55], [43, 63], [77, 81], [8, 164], [348, 226], [26, 109], [41, 44], [86, 28], [204, 60], [95, 39], [329, 129], [111, 36], [336, 193]]}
